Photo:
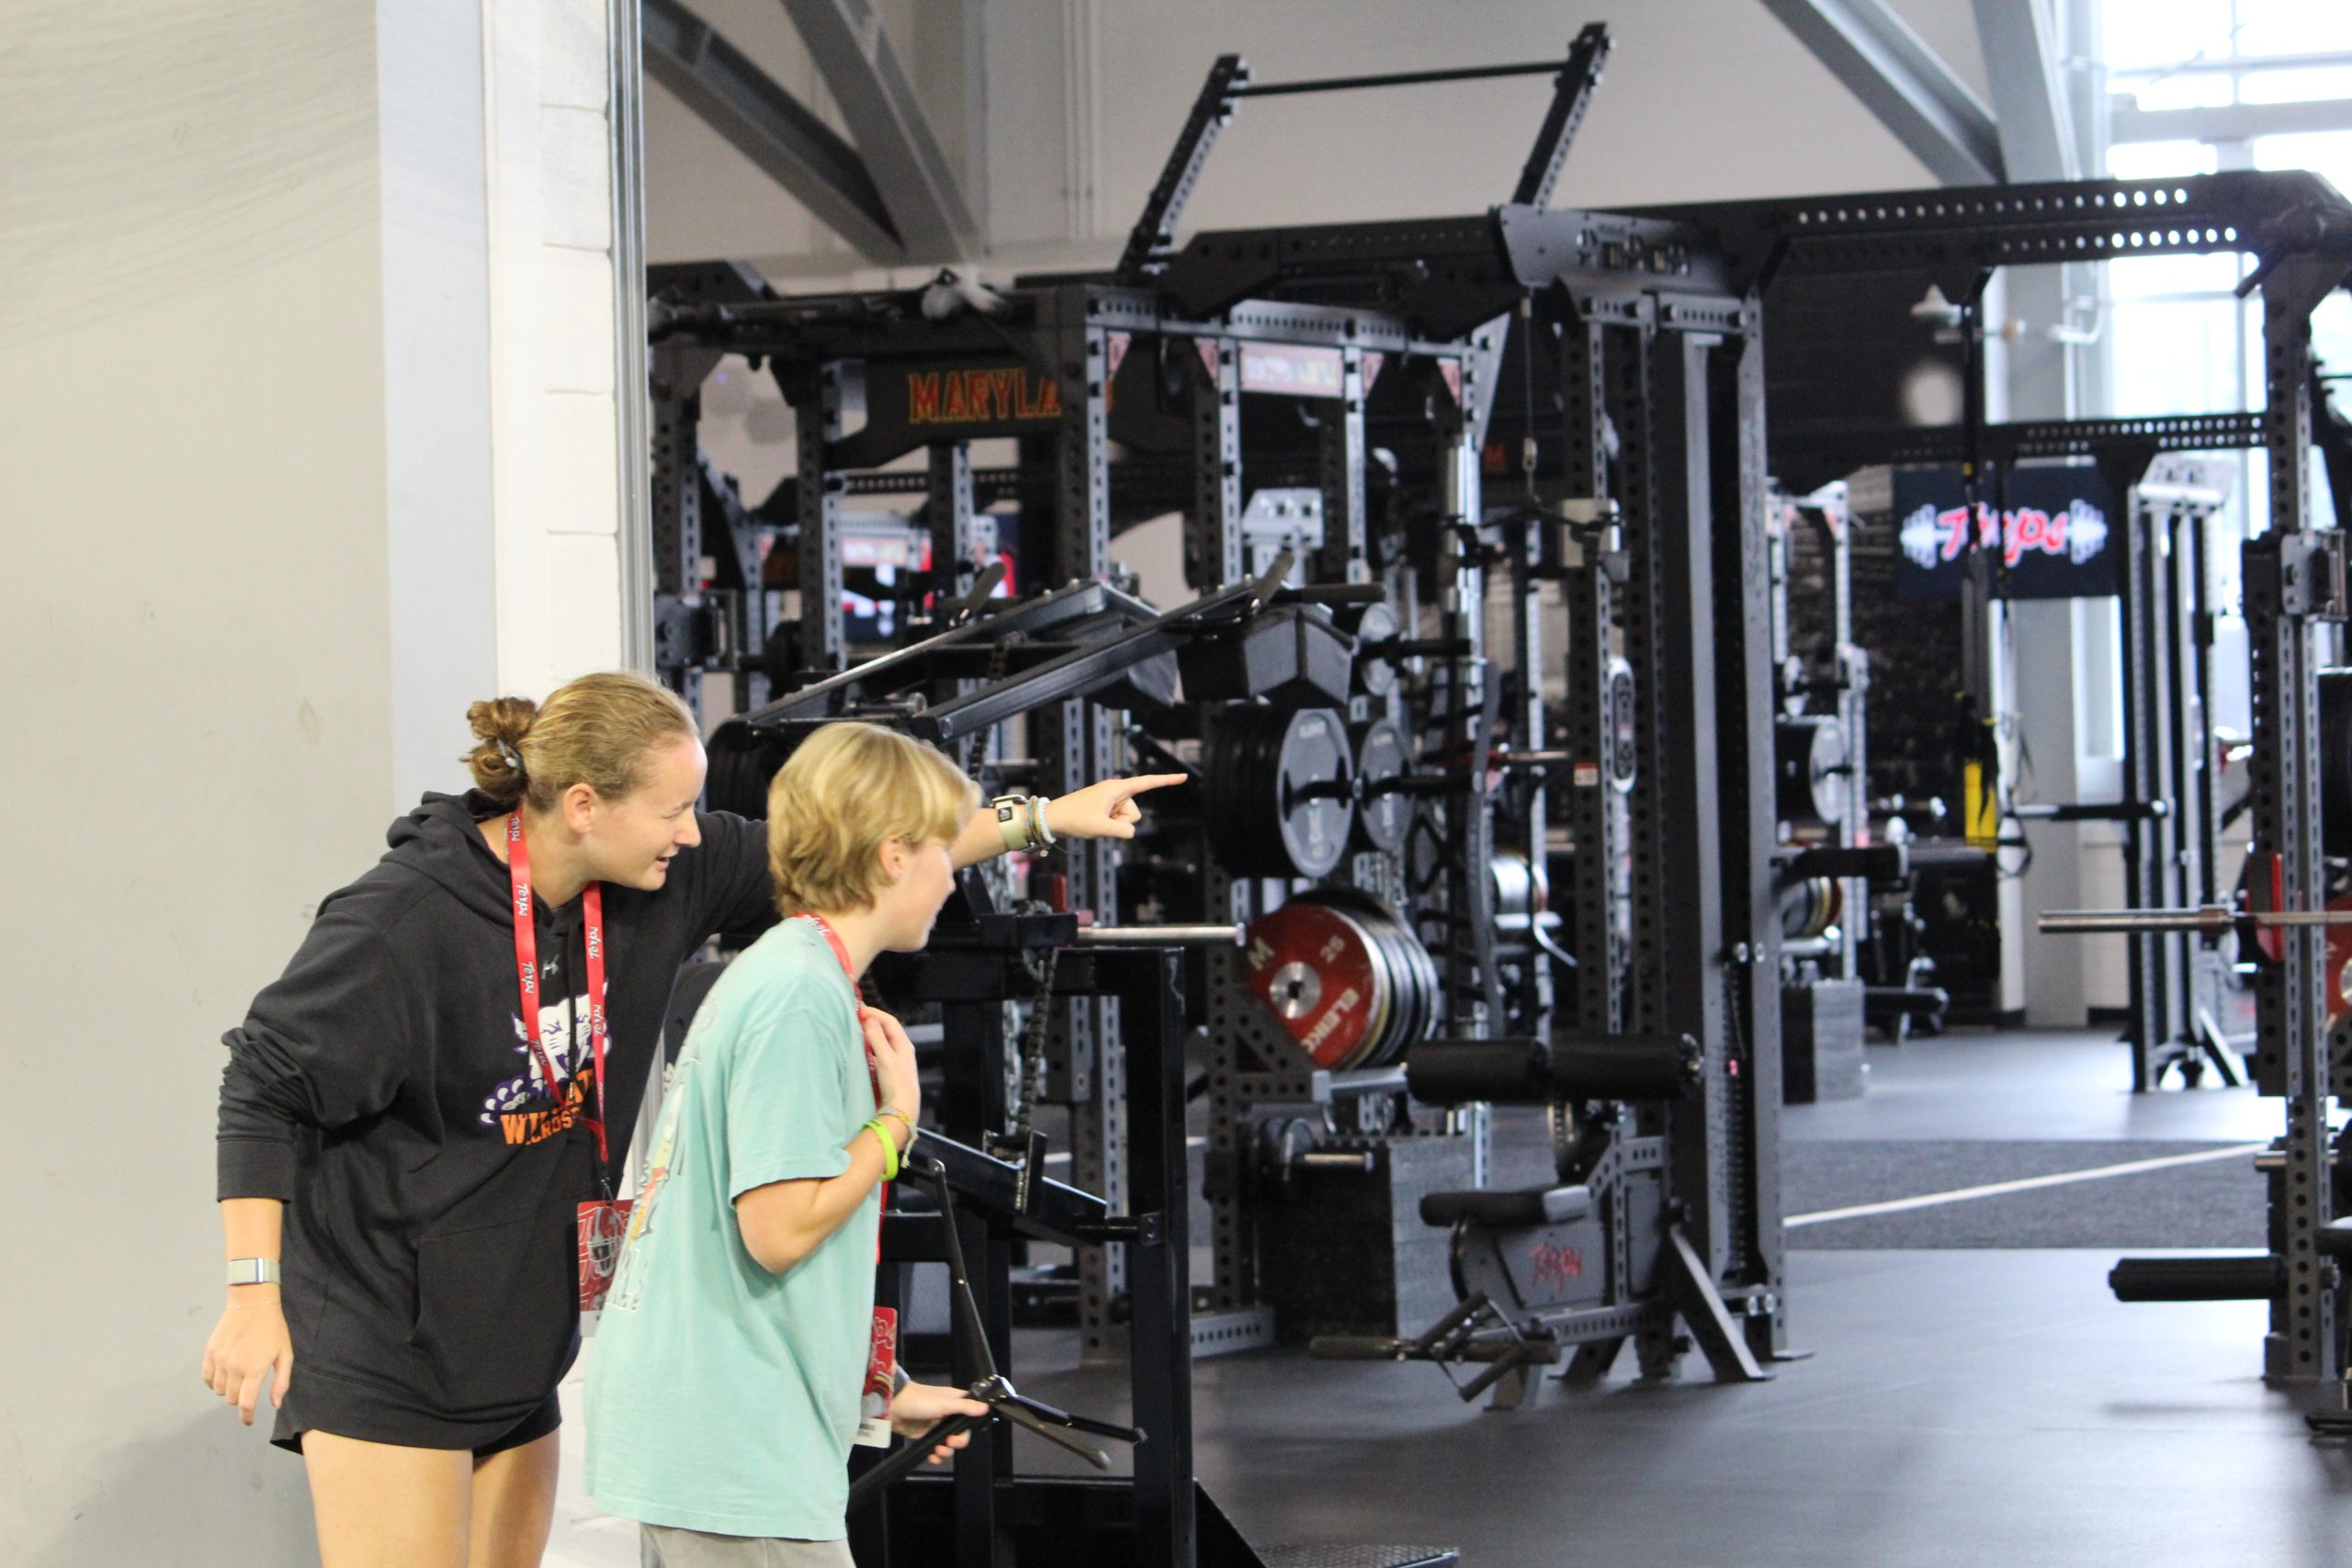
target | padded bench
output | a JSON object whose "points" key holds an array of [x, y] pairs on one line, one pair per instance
{"points": [[1487, 1206]]}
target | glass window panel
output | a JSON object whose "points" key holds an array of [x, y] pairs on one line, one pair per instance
{"points": [[2332, 342], [2189, 90], [2287, 27], [2158, 160], [2325, 153], [2156, 33], [2176, 357], [2295, 87], [2148, 275]]}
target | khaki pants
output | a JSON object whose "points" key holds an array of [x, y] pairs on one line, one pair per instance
{"points": [[668, 1547]]}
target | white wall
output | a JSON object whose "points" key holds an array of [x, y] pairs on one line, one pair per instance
{"points": [[195, 612], [246, 583]]}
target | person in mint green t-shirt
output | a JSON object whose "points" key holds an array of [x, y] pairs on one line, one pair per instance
{"points": [[725, 1381]]}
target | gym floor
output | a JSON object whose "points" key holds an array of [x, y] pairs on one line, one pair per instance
{"points": [[1963, 1403]]}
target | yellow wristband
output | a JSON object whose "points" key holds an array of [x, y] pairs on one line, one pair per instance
{"points": [[890, 1148]]}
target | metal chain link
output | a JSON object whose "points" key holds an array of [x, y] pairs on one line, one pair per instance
{"points": [[1032, 1041]]}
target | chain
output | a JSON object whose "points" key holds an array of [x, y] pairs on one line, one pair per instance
{"points": [[1032, 1041], [1001, 656]]}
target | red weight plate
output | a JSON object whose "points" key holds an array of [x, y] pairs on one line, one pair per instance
{"points": [[2339, 963], [1314, 970]]}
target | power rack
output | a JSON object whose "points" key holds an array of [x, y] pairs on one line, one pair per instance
{"points": [[2300, 230]]}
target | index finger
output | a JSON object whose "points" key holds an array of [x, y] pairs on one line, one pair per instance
{"points": [[1129, 788]]}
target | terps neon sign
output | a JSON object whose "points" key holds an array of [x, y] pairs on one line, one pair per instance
{"points": [[1932, 536]]}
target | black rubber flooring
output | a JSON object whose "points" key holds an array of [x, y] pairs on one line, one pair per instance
{"points": [[2212, 1203], [1963, 1410], [1977, 1399]]}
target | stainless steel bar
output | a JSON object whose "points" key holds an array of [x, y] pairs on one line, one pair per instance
{"points": [[2209, 920], [1160, 936]]}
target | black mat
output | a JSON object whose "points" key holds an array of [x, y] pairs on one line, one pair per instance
{"points": [[2214, 1203]]}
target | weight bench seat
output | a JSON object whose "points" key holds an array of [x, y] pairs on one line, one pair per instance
{"points": [[1487, 1206]]}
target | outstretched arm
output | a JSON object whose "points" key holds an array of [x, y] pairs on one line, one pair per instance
{"points": [[1103, 810]]}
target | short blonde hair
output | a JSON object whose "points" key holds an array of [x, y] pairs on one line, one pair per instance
{"points": [[849, 789], [596, 730]]}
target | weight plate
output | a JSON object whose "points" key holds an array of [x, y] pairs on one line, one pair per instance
{"points": [[1413, 973], [1809, 906], [1384, 818], [1516, 901], [2334, 743], [1315, 768], [1376, 675], [1810, 753], [1315, 969], [2339, 964]]}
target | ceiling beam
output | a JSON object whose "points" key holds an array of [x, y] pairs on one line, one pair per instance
{"points": [[2036, 129], [776, 130], [1903, 82], [886, 120]]}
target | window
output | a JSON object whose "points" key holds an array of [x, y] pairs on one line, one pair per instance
{"points": [[2199, 85]]}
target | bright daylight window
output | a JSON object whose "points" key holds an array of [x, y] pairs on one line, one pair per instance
{"points": [[2201, 85]]}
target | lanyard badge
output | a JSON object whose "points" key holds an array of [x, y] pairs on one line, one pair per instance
{"points": [[602, 1221]]}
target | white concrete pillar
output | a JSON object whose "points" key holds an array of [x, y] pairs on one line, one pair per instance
{"points": [[254, 357]]}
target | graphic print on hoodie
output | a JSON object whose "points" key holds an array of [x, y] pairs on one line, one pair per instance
{"points": [[383, 1088], [521, 1108]]}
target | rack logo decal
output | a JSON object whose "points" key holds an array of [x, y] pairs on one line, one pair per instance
{"points": [[2045, 531], [1556, 1266], [1931, 535], [980, 397]]}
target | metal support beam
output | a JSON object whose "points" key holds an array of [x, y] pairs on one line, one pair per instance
{"points": [[1901, 79], [2021, 56], [886, 120], [769, 126]]}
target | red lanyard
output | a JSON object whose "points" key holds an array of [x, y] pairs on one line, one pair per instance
{"points": [[873, 1069], [527, 968], [849, 973], [841, 951]]}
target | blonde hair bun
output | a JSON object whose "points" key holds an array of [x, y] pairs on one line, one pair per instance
{"points": [[595, 730]]}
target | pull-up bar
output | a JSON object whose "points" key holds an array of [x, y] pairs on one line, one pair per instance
{"points": [[1399, 79]]}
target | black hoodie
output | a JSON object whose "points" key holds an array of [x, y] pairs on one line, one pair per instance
{"points": [[383, 1089]]}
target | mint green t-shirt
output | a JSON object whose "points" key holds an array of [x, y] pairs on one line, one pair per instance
{"points": [[722, 1397]]}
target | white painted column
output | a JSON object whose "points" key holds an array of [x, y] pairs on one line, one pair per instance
{"points": [[553, 305]]}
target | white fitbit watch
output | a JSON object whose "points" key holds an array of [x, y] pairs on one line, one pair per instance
{"points": [[252, 1270], [1021, 820]]}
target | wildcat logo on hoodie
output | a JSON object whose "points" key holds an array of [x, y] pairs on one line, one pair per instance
{"points": [[524, 1109]]}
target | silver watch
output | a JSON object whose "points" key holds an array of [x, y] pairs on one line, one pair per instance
{"points": [[252, 1270]]}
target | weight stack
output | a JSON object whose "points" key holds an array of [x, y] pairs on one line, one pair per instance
{"points": [[1821, 1041], [1347, 1253]]}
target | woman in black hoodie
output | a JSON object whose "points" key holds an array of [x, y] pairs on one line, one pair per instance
{"points": [[414, 1157]]}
